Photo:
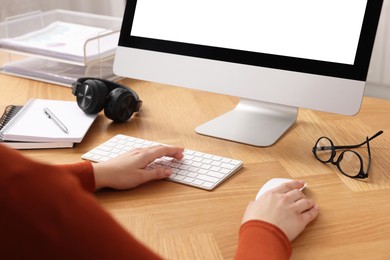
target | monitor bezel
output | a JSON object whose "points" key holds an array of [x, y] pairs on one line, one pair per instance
{"points": [[356, 71]]}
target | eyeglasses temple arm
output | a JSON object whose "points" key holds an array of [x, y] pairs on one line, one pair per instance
{"points": [[358, 145], [369, 154]]}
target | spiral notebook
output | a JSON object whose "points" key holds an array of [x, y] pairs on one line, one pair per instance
{"points": [[28, 127], [9, 112]]}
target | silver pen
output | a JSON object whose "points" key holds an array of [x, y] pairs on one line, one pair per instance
{"points": [[55, 120]]}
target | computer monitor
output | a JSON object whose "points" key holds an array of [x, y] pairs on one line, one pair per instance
{"points": [[275, 55]]}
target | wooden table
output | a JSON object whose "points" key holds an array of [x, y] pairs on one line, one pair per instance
{"points": [[181, 222]]}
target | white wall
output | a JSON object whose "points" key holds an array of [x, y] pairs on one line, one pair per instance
{"points": [[378, 82]]}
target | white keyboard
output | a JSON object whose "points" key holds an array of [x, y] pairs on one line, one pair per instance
{"points": [[197, 169]]}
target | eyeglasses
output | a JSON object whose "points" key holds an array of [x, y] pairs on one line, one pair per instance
{"points": [[349, 162]]}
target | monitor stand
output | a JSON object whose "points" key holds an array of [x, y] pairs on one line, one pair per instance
{"points": [[251, 122]]}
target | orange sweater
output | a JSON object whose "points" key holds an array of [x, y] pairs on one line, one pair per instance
{"points": [[50, 212]]}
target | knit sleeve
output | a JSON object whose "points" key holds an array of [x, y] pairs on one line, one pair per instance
{"points": [[46, 214], [262, 240], [83, 171]]}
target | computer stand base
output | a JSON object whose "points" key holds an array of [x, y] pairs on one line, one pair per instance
{"points": [[251, 122]]}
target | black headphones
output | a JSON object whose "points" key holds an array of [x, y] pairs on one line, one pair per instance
{"points": [[94, 94]]}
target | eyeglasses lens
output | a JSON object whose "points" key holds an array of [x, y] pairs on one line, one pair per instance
{"points": [[350, 163], [324, 149]]}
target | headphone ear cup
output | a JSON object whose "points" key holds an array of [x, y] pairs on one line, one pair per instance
{"points": [[120, 105], [91, 96]]}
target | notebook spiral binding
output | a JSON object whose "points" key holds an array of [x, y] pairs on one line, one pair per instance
{"points": [[7, 115]]}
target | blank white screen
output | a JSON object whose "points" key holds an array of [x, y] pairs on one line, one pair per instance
{"points": [[326, 30]]}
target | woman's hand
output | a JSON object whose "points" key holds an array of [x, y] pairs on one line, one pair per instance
{"points": [[129, 170], [285, 207]]}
